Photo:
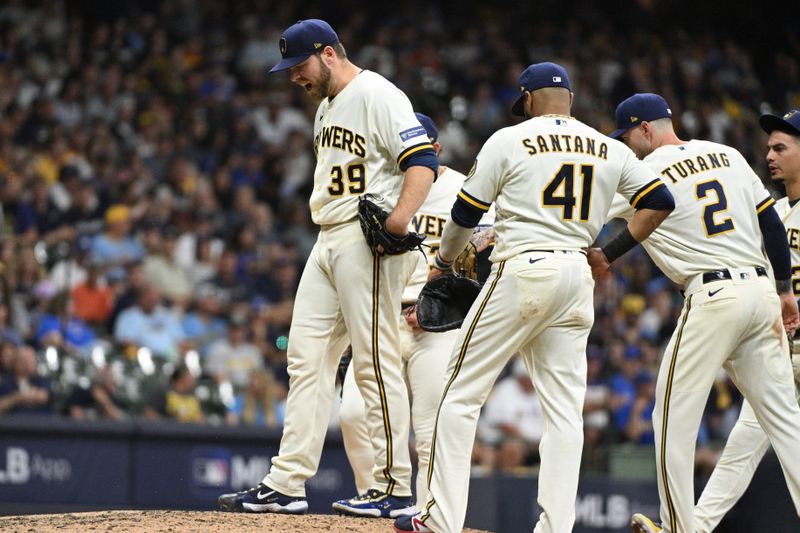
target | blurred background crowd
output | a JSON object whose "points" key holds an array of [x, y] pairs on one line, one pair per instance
{"points": [[154, 183]]}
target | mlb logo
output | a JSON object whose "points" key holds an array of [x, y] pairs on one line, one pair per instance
{"points": [[557, 79], [210, 472]]}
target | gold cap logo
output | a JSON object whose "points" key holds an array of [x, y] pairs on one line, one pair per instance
{"points": [[634, 119], [317, 45]]}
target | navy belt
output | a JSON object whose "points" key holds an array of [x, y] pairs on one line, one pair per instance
{"points": [[719, 275], [553, 251]]}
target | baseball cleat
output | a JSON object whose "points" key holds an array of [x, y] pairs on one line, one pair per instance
{"points": [[411, 524], [641, 524], [262, 499], [376, 504]]}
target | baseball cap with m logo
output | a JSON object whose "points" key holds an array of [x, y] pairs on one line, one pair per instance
{"points": [[301, 40]]}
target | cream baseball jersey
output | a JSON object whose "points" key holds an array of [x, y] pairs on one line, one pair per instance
{"points": [[717, 200], [429, 220], [552, 179], [361, 138], [790, 215]]}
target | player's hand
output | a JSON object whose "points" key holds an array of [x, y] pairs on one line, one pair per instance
{"points": [[483, 239], [395, 226], [598, 261], [410, 314], [791, 320]]}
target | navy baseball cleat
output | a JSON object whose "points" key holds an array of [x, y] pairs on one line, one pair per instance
{"points": [[262, 499], [641, 524], [376, 504], [411, 524]]}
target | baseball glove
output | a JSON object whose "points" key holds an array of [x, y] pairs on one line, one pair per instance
{"points": [[465, 264], [470, 262], [444, 302], [381, 241]]}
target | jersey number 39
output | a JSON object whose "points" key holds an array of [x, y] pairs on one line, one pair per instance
{"points": [[356, 179]]}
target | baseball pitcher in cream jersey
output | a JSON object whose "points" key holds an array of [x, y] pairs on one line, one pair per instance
{"points": [[732, 315], [425, 355], [551, 180], [366, 140]]}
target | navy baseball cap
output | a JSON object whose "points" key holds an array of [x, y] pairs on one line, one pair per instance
{"points": [[789, 123], [301, 40], [430, 127], [641, 107], [539, 76]]}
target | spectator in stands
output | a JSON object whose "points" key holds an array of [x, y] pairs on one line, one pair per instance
{"points": [[127, 284], [70, 270], [595, 408], [7, 333], [203, 325], [85, 214], [8, 352], [116, 246], [204, 266], [39, 217], [178, 402], [161, 269], [233, 358], [623, 388], [512, 420], [149, 324], [28, 286], [639, 428], [259, 404], [24, 391], [93, 299], [60, 328], [96, 402], [233, 289]]}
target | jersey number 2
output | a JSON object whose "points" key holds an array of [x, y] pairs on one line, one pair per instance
{"points": [[556, 196], [713, 227], [356, 179]]}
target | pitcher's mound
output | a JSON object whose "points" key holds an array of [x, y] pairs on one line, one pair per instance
{"points": [[193, 521]]}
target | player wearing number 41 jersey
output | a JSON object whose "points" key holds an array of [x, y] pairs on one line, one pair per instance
{"points": [[711, 244], [552, 180]]}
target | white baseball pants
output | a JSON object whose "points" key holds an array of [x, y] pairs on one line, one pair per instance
{"points": [[345, 295]]}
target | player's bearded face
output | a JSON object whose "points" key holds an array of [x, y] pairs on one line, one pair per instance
{"points": [[314, 76]]}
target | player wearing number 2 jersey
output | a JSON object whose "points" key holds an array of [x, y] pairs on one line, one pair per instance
{"points": [[552, 180], [711, 244], [747, 442]]}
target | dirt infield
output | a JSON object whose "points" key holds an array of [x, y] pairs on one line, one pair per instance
{"points": [[191, 521]]}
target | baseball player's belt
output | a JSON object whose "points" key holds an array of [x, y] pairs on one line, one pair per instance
{"points": [[554, 251], [719, 275]]}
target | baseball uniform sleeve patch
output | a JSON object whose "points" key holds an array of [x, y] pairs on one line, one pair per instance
{"points": [[416, 131]]}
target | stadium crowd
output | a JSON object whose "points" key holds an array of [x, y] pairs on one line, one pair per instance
{"points": [[154, 184]]}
